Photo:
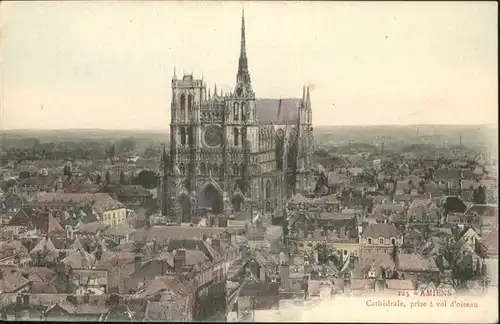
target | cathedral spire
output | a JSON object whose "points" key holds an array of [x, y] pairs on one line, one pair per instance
{"points": [[243, 76], [308, 99], [174, 77]]}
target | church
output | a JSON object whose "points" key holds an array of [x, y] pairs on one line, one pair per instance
{"points": [[231, 152]]}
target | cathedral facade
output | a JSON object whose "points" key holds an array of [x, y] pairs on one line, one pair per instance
{"points": [[233, 151]]}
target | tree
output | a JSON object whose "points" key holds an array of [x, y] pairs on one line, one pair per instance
{"points": [[107, 177], [67, 170], [24, 175], [150, 152], [98, 179], [322, 153], [122, 178], [147, 179], [126, 146], [479, 195], [111, 154]]}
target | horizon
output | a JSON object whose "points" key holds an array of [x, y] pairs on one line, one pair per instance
{"points": [[401, 63], [494, 126]]}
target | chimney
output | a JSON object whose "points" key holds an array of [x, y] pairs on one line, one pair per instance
{"points": [[216, 245], [179, 260], [285, 275], [137, 262]]}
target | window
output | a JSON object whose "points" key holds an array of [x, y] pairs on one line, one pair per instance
{"points": [[236, 111], [393, 241], [244, 135], [183, 136], [183, 101], [345, 252], [243, 111], [369, 240], [381, 240], [236, 136], [190, 101]]}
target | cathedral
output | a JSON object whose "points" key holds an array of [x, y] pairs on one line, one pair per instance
{"points": [[232, 152]]}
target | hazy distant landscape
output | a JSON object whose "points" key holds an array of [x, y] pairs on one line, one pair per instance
{"points": [[482, 137]]}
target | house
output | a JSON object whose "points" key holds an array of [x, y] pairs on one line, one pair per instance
{"points": [[132, 196], [197, 262], [380, 237], [416, 267], [12, 281], [13, 252], [469, 236], [36, 184], [12, 203], [110, 211]]}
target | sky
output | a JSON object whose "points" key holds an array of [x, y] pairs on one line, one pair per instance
{"points": [[109, 64]]}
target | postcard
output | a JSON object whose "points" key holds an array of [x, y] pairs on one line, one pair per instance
{"points": [[249, 161]]}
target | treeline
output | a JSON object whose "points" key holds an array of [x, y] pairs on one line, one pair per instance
{"points": [[34, 150]]}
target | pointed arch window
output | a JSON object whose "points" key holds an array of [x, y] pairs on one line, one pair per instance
{"points": [[182, 169], [190, 101], [242, 170], [236, 169], [203, 168], [183, 101], [215, 170], [183, 136], [236, 112], [244, 135], [190, 135], [243, 111], [236, 136]]}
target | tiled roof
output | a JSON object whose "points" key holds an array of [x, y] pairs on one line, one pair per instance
{"points": [[79, 260], [11, 280], [415, 262], [45, 246], [104, 202], [381, 208], [384, 230], [483, 210], [165, 233], [91, 228], [54, 225], [277, 111], [38, 274]]}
